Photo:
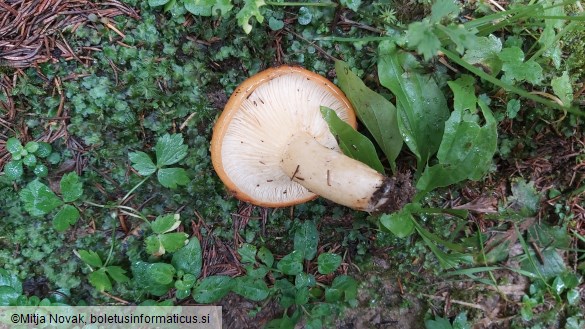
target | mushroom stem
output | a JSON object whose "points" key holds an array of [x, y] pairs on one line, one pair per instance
{"points": [[335, 176]]}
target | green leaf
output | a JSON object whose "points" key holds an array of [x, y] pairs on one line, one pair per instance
{"points": [[563, 89], [306, 239], [512, 108], [374, 111], [90, 257], [328, 262], [142, 163], [189, 258], [462, 37], [65, 218], [222, 8], [173, 241], [117, 273], [154, 246], [518, 70], [467, 148], [13, 170], [10, 280], [7, 295], [308, 280], [291, 264], [156, 3], [31, 147], [165, 223], [170, 150], [343, 288], [199, 7], [14, 146], [438, 323], [525, 198], [399, 223], [251, 9], [485, 52], [248, 253], [421, 36], [305, 16], [154, 278], [38, 199], [351, 142], [44, 150], [422, 108], [351, 4], [212, 288], [100, 280], [172, 177], [41, 170], [252, 289], [275, 24], [29, 160], [71, 187], [443, 8], [265, 256]]}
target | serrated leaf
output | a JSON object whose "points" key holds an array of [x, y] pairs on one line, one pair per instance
{"points": [[38, 199], [90, 257], [422, 107], [328, 262], [117, 273], [485, 51], [100, 280], [212, 288], [153, 245], [399, 223], [525, 198], [142, 163], [251, 9], [518, 70], [10, 280], [443, 8], [462, 37], [170, 150], [421, 36], [291, 264], [374, 111], [172, 177], [563, 89], [71, 187], [467, 148], [65, 218], [173, 241], [189, 258], [306, 239], [165, 223], [252, 289]]}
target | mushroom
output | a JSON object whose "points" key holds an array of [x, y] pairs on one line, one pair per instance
{"points": [[272, 147]]}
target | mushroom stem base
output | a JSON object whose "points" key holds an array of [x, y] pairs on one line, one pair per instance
{"points": [[337, 177]]}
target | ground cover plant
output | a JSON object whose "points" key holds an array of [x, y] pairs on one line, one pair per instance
{"points": [[109, 196]]}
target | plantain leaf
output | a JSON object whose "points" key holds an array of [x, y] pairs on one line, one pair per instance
{"points": [[422, 108], [351, 142], [373, 110]]}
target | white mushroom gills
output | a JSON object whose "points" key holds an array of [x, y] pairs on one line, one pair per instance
{"points": [[331, 174], [272, 147]]}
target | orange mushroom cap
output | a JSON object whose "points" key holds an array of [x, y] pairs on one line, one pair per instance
{"points": [[261, 116]]}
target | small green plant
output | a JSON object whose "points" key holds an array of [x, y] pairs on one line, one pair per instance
{"points": [[11, 293], [101, 272], [26, 156], [39, 200], [460, 322]]}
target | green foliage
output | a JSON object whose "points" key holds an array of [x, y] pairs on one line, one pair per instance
{"points": [[39, 200], [169, 150], [377, 114], [460, 322], [101, 273], [26, 155]]}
